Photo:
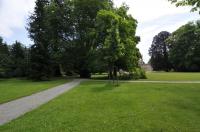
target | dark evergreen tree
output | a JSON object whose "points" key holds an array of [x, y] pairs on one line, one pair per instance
{"points": [[41, 66], [18, 63], [4, 58], [159, 52]]}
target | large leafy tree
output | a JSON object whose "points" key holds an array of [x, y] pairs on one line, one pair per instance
{"points": [[64, 33], [117, 41], [85, 12], [40, 57], [60, 33], [111, 45], [127, 30], [185, 47], [71, 30], [159, 52]]}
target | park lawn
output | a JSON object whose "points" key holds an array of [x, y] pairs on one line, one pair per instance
{"points": [[161, 76], [172, 76], [131, 107], [11, 89]]}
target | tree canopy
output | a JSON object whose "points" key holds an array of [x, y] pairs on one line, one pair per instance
{"points": [[117, 40], [185, 48], [159, 52], [81, 36]]}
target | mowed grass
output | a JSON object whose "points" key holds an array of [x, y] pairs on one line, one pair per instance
{"points": [[161, 76], [131, 107], [172, 76], [11, 89]]}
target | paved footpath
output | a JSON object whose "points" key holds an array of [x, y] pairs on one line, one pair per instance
{"points": [[19, 107]]}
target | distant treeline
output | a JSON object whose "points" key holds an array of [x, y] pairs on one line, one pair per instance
{"points": [[14, 60], [179, 51]]}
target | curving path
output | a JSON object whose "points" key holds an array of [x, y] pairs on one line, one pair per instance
{"points": [[19, 107]]}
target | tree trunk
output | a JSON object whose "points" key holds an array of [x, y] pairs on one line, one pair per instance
{"points": [[115, 72], [110, 74]]}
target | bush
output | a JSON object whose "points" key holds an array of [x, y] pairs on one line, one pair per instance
{"points": [[138, 73]]}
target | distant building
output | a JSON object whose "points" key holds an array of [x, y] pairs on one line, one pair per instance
{"points": [[147, 67]]}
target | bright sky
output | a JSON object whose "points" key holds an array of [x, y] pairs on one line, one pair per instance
{"points": [[153, 17]]}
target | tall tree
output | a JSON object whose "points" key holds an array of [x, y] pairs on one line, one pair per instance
{"points": [[40, 57], [159, 52], [85, 12], [111, 45], [4, 57], [117, 41], [185, 48], [18, 64], [127, 30]]}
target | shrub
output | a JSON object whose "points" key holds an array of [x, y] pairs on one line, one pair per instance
{"points": [[138, 73]]}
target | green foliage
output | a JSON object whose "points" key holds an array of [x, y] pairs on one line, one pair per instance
{"points": [[139, 73], [84, 20], [185, 48], [18, 65], [111, 46], [159, 52], [194, 3], [75, 37], [14, 60], [41, 66], [117, 41], [4, 58], [71, 33]]}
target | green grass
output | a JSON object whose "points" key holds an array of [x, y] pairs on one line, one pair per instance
{"points": [[172, 76], [11, 89], [131, 107], [161, 76]]}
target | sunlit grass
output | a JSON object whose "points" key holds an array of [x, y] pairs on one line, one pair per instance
{"points": [[131, 107], [11, 89]]}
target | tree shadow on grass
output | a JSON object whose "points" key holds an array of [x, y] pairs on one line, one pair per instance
{"points": [[107, 87]]}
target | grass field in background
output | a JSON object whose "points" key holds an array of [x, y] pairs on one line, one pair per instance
{"points": [[162, 76], [173, 76], [131, 107], [11, 89]]}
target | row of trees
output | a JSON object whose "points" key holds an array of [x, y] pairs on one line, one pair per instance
{"points": [[81, 37], [14, 60], [179, 51]]}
